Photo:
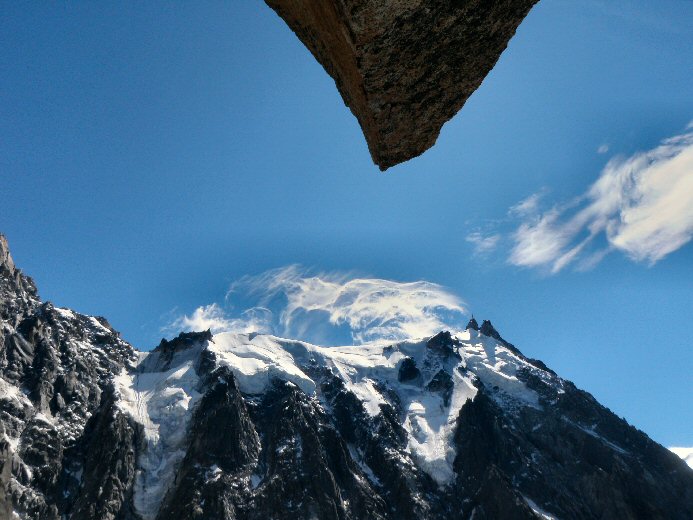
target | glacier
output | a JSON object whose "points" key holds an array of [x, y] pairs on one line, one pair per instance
{"points": [[163, 401]]}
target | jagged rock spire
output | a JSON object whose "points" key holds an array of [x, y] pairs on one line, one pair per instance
{"points": [[487, 329], [472, 324], [17, 292], [6, 261]]}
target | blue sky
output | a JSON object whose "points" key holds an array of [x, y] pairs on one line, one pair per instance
{"points": [[151, 155]]}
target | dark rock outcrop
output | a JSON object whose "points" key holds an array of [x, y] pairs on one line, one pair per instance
{"points": [[306, 469], [214, 478], [442, 384], [378, 450], [487, 329], [525, 452], [18, 293], [408, 370], [472, 324], [166, 349], [109, 448], [56, 366], [404, 68], [444, 343]]}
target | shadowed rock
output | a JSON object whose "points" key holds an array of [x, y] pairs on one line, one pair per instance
{"points": [[408, 370], [442, 384]]}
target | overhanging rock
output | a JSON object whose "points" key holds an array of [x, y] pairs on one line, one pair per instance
{"points": [[404, 67]]}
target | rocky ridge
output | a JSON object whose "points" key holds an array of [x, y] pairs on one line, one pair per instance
{"points": [[247, 426], [404, 68]]}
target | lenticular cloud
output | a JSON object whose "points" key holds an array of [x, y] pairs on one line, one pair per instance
{"points": [[330, 308]]}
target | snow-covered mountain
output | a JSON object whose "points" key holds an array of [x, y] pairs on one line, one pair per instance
{"points": [[247, 426]]}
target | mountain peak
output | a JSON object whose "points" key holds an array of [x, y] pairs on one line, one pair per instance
{"points": [[237, 425], [18, 293], [487, 329], [472, 324], [183, 341], [6, 261]]}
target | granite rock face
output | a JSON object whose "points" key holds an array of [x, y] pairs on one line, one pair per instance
{"points": [[404, 67], [65, 447], [250, 427]]}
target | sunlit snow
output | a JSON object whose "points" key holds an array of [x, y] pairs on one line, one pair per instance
{"points": [[163, 401]]}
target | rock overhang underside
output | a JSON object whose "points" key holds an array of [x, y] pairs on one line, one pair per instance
{"points": [[404, 67]]}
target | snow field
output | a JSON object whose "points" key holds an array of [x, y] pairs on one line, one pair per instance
{"points": [[163, 401]]}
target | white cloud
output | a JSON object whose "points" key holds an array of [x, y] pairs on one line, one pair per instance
{"points": [[603, 149], [685, 453], [642, 205], [214, 318], [291, 302], [483, 243], [527, 206]]}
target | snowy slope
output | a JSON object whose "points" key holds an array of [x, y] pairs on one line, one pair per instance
{"points": [[163, 401], [366, 370]]}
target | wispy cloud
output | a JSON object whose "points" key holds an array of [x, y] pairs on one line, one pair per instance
{"points": [[292, 302], [216, 319], [641, 205], [527, 206], [483, 243], [603, 149]]}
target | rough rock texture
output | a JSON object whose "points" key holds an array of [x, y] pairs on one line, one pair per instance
{"points": [[223, 446], [64, 446], [404, 67], [526, 453], [90, 428]]}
